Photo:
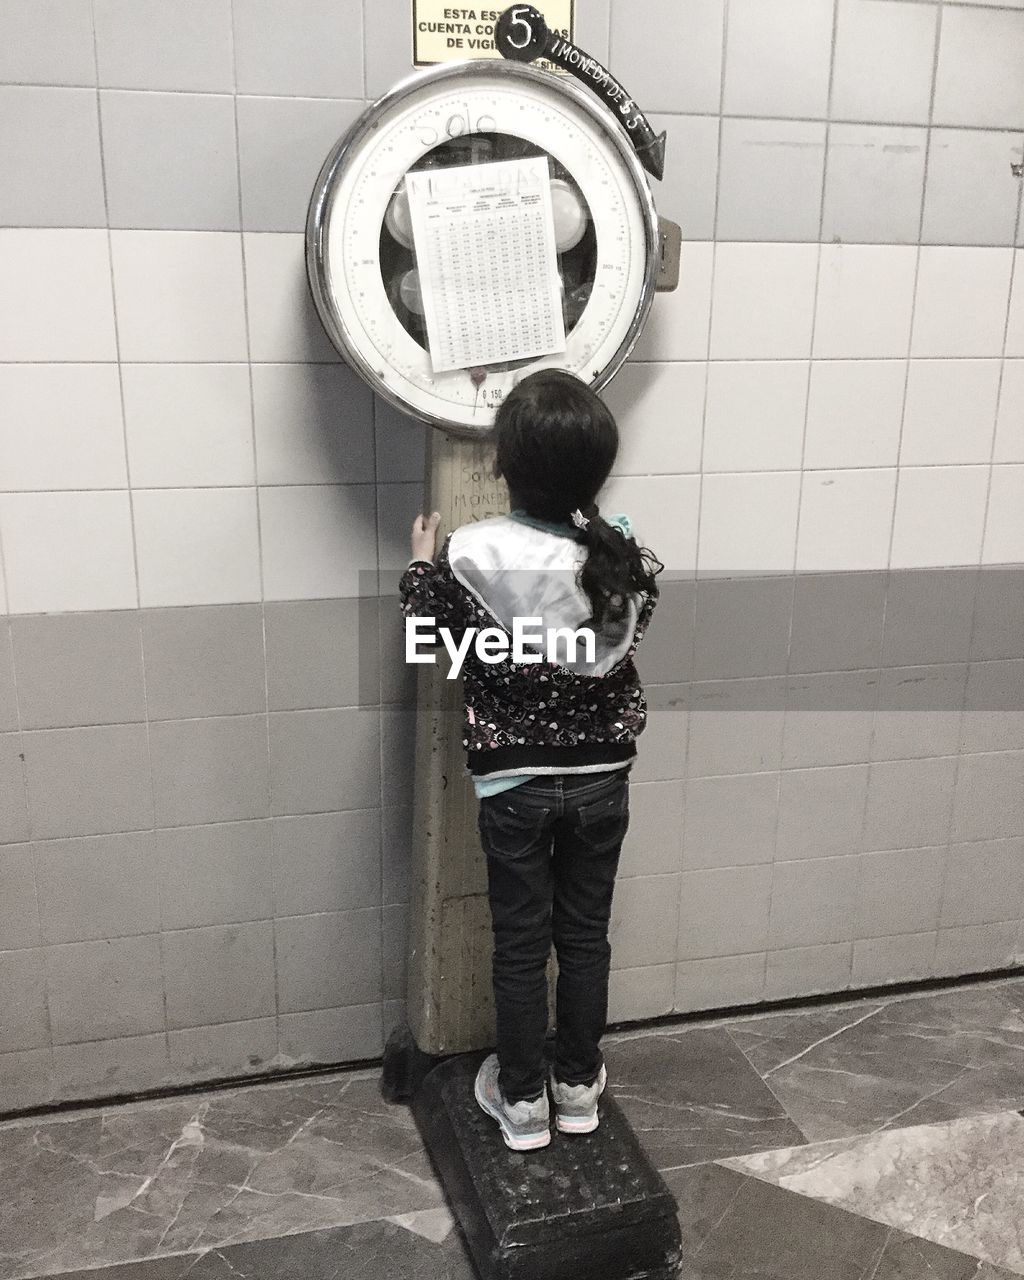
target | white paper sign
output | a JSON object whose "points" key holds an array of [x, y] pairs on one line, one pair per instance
{"points": [[488, 265]]}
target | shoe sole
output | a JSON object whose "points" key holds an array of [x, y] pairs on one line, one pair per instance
{"points": [[580, 1124], [533, 1142]]}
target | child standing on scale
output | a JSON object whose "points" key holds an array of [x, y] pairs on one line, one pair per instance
{"points": [[550, 743]]}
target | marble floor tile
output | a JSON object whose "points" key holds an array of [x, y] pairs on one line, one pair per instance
{"points": [[191, 1175], [908, 1061], [692, 1096], [735, 1228], [959, 1184]]}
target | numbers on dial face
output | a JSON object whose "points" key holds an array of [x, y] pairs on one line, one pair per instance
{"points": [[374, 170]]}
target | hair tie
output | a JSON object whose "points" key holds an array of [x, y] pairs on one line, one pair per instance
{"points": [[579, 519]]}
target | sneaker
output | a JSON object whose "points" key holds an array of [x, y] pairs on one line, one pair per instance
{"points": [[576, 1104], [525, 1126]]}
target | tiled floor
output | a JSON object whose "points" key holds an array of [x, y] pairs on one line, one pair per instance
{"points": [[871, 1140]]}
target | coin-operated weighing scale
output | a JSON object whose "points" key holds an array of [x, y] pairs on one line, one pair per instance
{"points": [[481, 221]]}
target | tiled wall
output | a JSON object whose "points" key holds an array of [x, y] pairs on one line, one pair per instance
{"points": [[205, 764]]}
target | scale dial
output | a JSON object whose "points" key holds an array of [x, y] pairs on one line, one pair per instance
{"points": [[360, 260]]}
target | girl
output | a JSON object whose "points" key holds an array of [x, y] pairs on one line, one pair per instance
{"points": [[550, 743]]}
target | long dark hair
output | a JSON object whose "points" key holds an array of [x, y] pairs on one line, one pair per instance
{"points": [[556, 444]]}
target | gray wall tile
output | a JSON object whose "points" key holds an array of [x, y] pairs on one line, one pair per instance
{"points": [[730, 822], [771, 180], [327, 862], [221, 974], [688, 194], [724, 912], [13, 802], [978, 81], [968, 160], [682, 69], [24, 1023], [918, 712], [808, 971], [400, 445], [324, 1034], [821, 812], [883, 61], [147, 44], [205, 661], [875, 184], [909, 803], [975, 949], [735, 727], [323, 653], [999, 615], [829, 719], [395, 950], [778, 57], [19, 914], [645, 919], [47, 42], [661, 751], [210, 770], [653, 844], [719, 983], [8, 696], [647, 992], [813, 902], [26, 1079], [299, 47], [928, 616], [666, 654], [97, 887], [283, 143], [214, 875], [994, 708], [170, 160], [324, 761], [235, 1049], [44, 131], [987, 804], [903, 958], [314, 425], [105, 990], [984, 884], [742, 627], [102, 1068], [329, 961], [397, 677], [396, 847], [837, 621], [79, 669], [86, 782], [899, 892]]}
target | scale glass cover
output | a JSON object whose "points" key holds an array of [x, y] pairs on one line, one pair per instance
{"points": [[361, 253]]}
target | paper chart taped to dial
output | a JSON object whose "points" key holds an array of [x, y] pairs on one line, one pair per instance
{"points": [[488, 262]]}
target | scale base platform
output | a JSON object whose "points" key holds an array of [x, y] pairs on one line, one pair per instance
{"points": [[589, 1205]]}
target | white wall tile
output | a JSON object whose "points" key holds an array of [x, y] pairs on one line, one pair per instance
{"points": [[179, 295], [318, 543], [770, 183], [310, 48], [660, 412], [846, 520], [148, 44], [865, 301], [808, 971], [188, 425], [724, 912], [60, 427], [44, 131], [314, 425], [664, 511], [854, 413], [719, 982], [47, 42], [875, 184], [67, 552], [950, 412], [755, 417], [56, 302], [1015, 330], [778, 57], [940, 516], [687, 193], [748, 523], [960, 308], [978, 79], [680, 322], [283, 324], [763, 304], [197, 546], [1004, 530], [1010, 427], [398, 505], [977, 161], [883, 61], [682, 68]]}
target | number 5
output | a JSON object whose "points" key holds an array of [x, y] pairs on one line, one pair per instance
{"points": [[519, 21]]}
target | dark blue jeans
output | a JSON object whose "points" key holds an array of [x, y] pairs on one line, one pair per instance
{"points": [[552, 847]]}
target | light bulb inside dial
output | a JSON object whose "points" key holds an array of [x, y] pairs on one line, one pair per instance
{"points": [[570, 215], [398, 219], [411, 292]]}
